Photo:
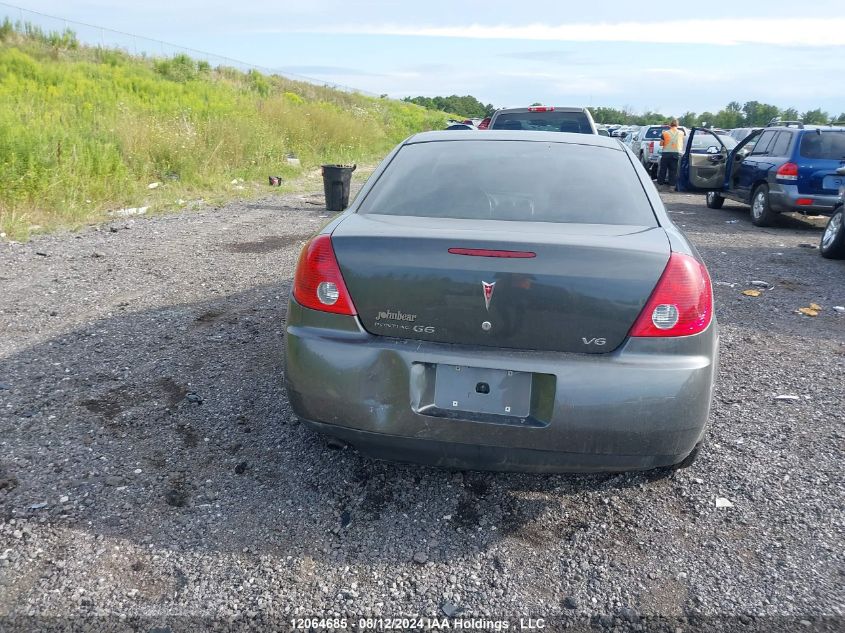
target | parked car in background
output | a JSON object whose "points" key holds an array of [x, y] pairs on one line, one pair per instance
{"points": [[741, 133], [544, 119], [461, 126], [774, 170], [629, 136], [701, 143], [540, 311], [832, 244], [647, 142]]}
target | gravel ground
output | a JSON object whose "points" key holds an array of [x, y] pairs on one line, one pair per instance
{"points": [[151, 471]]}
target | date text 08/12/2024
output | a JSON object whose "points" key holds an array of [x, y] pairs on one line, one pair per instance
{"points": [[422, 623]]}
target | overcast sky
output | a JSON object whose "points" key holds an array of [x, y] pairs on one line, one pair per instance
{"points": [[670, 56]]}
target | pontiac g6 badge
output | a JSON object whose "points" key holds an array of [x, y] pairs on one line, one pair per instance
{"points": [[488, 293]]}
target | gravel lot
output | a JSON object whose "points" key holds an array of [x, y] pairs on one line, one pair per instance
{"points": [[152, 474]]}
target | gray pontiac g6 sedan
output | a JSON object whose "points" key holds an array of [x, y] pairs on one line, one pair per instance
{"points": [[505, 301]]}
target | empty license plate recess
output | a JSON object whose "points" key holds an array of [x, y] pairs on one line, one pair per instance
{"points": [[833, 182], [480, 390]]}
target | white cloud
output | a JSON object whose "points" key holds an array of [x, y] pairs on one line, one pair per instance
{"points": [[800, 32]]}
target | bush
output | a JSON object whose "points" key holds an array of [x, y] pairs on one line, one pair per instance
{"points": [[180, 68]]}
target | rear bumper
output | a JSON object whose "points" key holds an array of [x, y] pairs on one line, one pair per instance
{"points": [[784, 198], [460, 456], [645, 405]]}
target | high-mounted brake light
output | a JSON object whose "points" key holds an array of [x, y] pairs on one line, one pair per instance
{"points": [[681, 303], [541, 109], [487, 252], [317, 283], [787, 171]]}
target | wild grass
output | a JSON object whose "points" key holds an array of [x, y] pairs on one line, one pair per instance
{"points": [[85, 130]]}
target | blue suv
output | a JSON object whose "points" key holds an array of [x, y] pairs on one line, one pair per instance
{"points": [[773, 170]]}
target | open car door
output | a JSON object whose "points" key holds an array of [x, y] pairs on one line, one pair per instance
{"points": [[703, 162]]}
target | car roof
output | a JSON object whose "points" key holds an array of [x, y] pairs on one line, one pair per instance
{"points": [[807, 128], [555, 109], [515, 135]]}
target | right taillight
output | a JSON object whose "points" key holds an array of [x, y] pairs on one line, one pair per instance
{"points": [[317, 283], [681, 303], [651, 147], [485, 124], [788, 171]]}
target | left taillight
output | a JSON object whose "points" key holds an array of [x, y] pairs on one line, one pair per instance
{"points": [[787, 171], [317, 283], [681, 303]]}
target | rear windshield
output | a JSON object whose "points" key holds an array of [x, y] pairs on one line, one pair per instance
{"points": [[829, 144], [512, 180], [553, 121], [655, 132]]}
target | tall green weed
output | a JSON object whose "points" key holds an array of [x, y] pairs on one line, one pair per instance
{"points": [[84, 130]]}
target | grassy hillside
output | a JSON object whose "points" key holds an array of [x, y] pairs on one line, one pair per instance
{"points": [[85, 130]]}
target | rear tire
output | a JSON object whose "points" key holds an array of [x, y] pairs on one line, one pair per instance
{"points": [[714, 200], [652, 171], [761, 211], [832, 244]]}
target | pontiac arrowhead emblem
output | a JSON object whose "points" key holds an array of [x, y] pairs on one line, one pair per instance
{"points": [[488, 293]]}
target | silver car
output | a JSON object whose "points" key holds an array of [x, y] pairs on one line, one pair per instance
{"points": [[505, 301]]}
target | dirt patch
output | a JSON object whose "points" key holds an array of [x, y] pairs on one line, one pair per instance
{"points": [[268, 244], [115, 401], [189, 436], [177, 495], [7, 481], [375, 501], [173, 392], [466, 514], [791, 284], [209, 316], [110, 405]]}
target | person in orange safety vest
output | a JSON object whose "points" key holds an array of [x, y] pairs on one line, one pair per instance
{"points": [[673, 145]]}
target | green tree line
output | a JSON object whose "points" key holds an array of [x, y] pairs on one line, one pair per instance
{"points": [[467, 106], [733, 115]]}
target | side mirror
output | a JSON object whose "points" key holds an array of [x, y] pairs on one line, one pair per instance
{"points": [[713, 149]]}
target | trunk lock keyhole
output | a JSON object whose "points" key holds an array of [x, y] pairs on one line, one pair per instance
{"points": [[482, 387]]}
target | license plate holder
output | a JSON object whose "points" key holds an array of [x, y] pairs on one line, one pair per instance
{"points": [[462, 388], [833, 182]]}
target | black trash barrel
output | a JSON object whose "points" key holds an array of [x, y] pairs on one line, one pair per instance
{"points": [[336, 179]]}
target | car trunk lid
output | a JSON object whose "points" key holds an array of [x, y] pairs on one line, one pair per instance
{"points": [[822, 153], [581, 291]]}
